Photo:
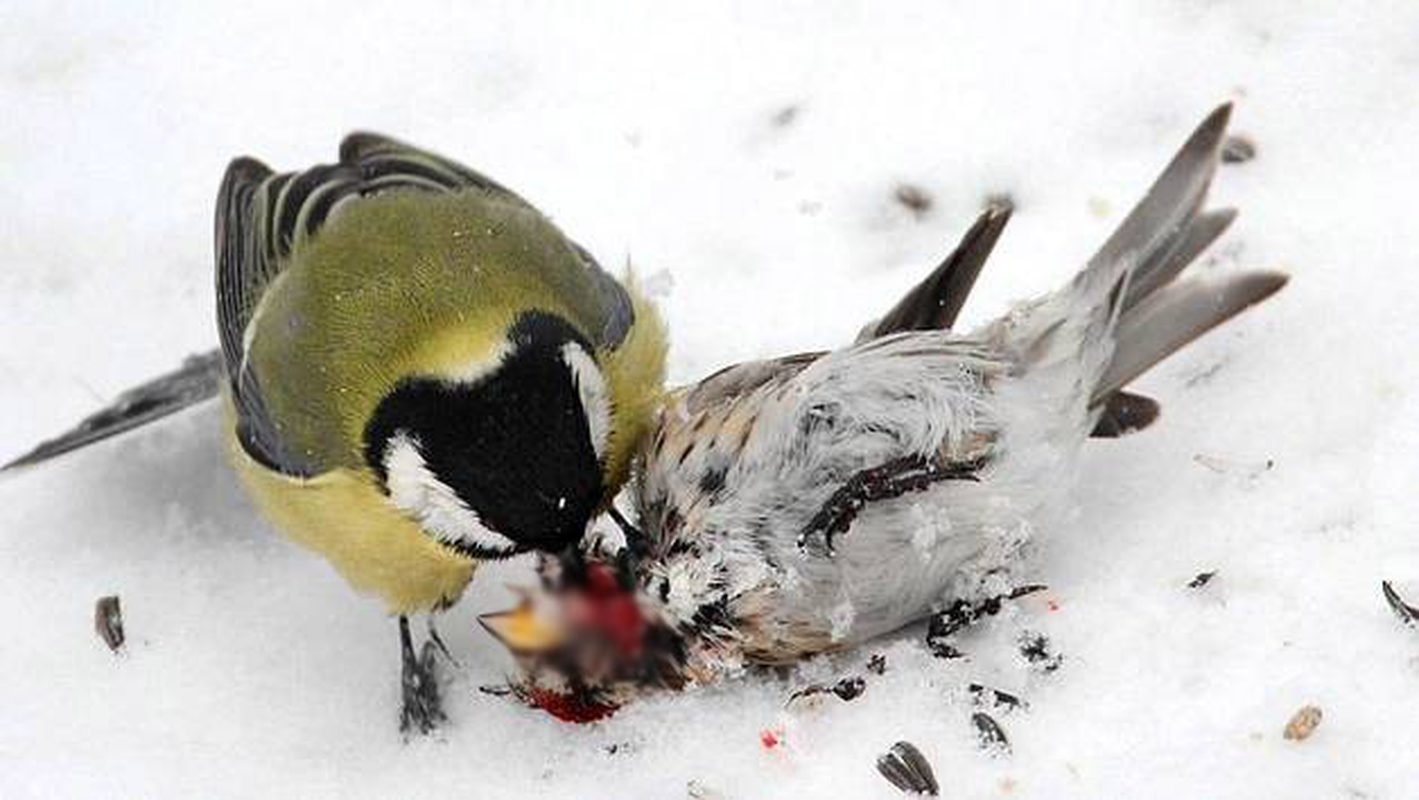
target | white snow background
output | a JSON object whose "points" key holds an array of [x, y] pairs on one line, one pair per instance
{"points": [[658, 133]]}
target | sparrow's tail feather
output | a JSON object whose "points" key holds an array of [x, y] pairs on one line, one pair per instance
{"points": [[1076, 325], [1174, 316], [1160, 238], [1161, 220], [1202, 230], [1127, 310], [1124, 413]]}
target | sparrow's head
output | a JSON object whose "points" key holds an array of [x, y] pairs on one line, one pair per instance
{"points": [[506, 455], [586, 643]]}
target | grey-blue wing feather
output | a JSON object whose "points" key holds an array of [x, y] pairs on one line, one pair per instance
{"points": [[620, 314], [200, 378], [260, 218], [250, 247], [935, 303]]}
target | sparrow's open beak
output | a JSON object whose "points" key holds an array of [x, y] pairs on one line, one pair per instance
{"points": [[522, 631]]}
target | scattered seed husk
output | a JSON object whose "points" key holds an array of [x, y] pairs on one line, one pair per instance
{"points": [[991, 736], [944, 650], [1303, 723], [1201, 580], [914, 198], [850, 688], [785, 116], [985, 696], [1407, 614], [907, 769], [1035, 647], [1250, 470], [847, 689], [1238, 149], [108, 622]]}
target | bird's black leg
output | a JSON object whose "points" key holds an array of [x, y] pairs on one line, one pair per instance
{"points": [[637, 545], [949, 621], [893, 479], [438, 640], [632, 533], [422, 710]]}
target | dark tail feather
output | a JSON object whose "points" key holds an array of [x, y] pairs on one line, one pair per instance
{"points": [[935, 303], [199, 378], [1156, 241], [1176, 315], [1124, 413], [1160, 238], [1164, 216]]}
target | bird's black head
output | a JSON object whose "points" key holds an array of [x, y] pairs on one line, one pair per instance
{"points": [[507, 461]]}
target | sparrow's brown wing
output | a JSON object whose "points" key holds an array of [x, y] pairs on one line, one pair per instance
{"points": [[737, 380], [718, 410]]}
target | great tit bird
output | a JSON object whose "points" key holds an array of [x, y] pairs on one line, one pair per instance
{"points": [[420, 371], [805, 504]]}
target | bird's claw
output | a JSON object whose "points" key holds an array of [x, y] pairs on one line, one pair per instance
{"points": [[896, 478], [838, 523], [961, 614], [989, 735]]}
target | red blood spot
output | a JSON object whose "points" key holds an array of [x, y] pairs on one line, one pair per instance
{"points": [[1053, 606], [610, 609], [601, 581], [569, 708], [768, 739]]}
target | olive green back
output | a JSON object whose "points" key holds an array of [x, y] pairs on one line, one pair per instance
{"points": [[400, 284]]}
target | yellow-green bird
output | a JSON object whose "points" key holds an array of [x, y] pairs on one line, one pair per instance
{"points": [[420, 371]]}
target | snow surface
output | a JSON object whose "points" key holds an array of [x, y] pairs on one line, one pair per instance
{"points": [[664, 136]]}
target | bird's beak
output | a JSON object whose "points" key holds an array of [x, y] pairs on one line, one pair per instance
{"points": [[523, 631]]}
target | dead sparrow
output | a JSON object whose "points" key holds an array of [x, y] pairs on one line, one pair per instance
{"points": [[805, 504]]}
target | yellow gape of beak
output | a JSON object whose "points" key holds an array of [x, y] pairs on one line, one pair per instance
{"points": [[522, 631]]}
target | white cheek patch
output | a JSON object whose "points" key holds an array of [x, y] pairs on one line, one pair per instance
{"points": [[591, 386], [415, 489]]}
